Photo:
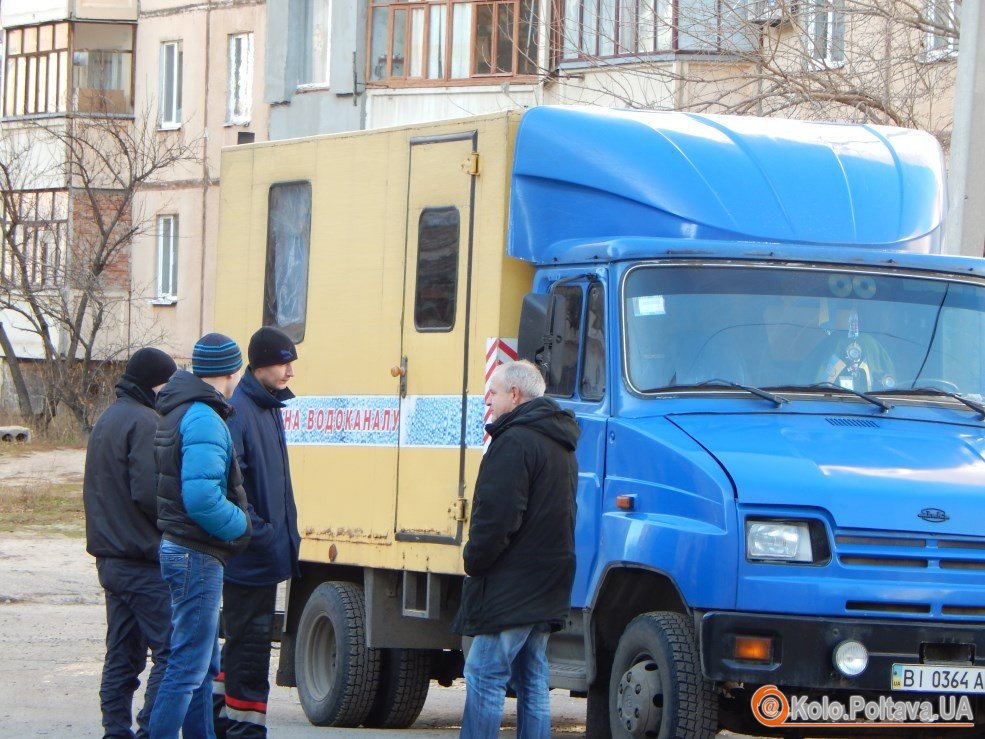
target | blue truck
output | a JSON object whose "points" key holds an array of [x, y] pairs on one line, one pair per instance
{"points": [[778, 376], [780, 384]]}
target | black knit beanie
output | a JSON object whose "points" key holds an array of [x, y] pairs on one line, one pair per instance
{"points": [[216, 355], [149, 367], [270, 346]]}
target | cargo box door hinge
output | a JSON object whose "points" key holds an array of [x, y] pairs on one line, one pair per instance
{"points": [[471, 165], [458, 509]]}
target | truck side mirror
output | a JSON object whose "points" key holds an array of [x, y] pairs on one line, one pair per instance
{"points": [[534, 339]]}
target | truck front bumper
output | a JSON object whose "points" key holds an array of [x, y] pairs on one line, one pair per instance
{"points": [[803, 647]]}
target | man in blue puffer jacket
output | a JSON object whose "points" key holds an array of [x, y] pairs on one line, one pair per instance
{"points": [[201, 512], [250, 590]]}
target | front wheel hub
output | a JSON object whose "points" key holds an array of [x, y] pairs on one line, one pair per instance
{"points": [[639, 702]]}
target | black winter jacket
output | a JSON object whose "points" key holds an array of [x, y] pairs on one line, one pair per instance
{"points": [[520, 556], [201, 503], [257, 428], [119, 491]]}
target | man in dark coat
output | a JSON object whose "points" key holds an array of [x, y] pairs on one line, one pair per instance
{"points": [[250, 588], [120, 499], [520, 556]]}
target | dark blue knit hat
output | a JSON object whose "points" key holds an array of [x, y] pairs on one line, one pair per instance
{"points": [[216, 355]]}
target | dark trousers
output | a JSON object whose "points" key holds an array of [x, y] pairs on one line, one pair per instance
{"points": [[138, 616], [243, 685]]}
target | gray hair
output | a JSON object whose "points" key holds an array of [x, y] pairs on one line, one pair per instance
{"points": [[524, 376]]}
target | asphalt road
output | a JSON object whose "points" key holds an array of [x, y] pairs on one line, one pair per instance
{"points": [[51, 630]]}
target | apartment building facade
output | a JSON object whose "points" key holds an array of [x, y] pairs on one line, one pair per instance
{"points": [[197, 76], [65, 61]]}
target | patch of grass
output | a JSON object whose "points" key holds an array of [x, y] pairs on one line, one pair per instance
{"points": [[46, 506]]}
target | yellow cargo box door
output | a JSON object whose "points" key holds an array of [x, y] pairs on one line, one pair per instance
{"points": [[435, 417]]}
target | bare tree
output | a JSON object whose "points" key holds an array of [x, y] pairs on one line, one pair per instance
{"points": [[67, 192], [872, 61]]}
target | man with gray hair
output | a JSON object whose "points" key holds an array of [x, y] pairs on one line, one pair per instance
{"points": [[520, 556]]}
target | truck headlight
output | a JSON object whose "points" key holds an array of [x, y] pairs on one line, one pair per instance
{"points": [[779, 541]]}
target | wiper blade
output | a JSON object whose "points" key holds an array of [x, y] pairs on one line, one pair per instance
{"points": [[883, 405], [774, 399], [973, 404]]}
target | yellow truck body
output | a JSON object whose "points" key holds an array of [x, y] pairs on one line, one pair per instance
{"points": [[376, 482]]}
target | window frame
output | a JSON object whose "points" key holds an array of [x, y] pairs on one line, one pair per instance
{"points": [[56, 95], [830, 9], [40, 236], [448, 38], [595, 287], [296, 331], [239, 81], [551, 389], [306, 53], [166, 287], [169, 118], [454, 276], [935, 46]]}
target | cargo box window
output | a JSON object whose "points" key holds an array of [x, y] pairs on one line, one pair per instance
{"points": [[437, 269], [285, 295], [566, 327]]}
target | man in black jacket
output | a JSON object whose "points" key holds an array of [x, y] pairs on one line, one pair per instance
{"points": [[249, 589], [520, 556], [120, 499]]}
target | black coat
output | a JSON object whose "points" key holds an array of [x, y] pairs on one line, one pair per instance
{"points": [[257, 428], [520, 556], [119, 491]]}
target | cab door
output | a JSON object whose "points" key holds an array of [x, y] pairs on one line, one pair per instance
{"points": [[434, 339]]}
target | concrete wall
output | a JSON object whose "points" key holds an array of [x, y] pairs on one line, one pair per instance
{"points": [[26, 12], [306, 112]]}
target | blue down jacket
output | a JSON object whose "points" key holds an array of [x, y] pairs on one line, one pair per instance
{"points": [[200, 500], [257, 429]]}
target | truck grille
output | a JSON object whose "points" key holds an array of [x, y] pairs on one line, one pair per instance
{"points": [[922, 555]]}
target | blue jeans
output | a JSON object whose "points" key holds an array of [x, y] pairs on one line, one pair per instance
{"points": [[184, 698], [515, 657]]}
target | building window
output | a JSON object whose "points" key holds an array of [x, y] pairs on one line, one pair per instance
{"points": [[239, 104], [941, 23], [447, 39], [167, 258], [436, 290], [610, 28], [34, 251], [316, 44], [169, 114], [285, 293], [37, 70], [102, 67], [826, 32]]}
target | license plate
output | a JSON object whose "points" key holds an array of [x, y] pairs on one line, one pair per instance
{"points": [[938, 679]]}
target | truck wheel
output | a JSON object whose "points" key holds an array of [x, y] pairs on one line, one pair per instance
{"points": [[404, 682], [656, 688], [336, 674]]}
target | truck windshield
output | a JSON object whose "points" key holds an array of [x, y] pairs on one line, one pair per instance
{"points": [[766, 326]]}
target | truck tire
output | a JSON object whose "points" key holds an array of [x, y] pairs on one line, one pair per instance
{"points": [[337, 675], [404, 682], [656, 688]]}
